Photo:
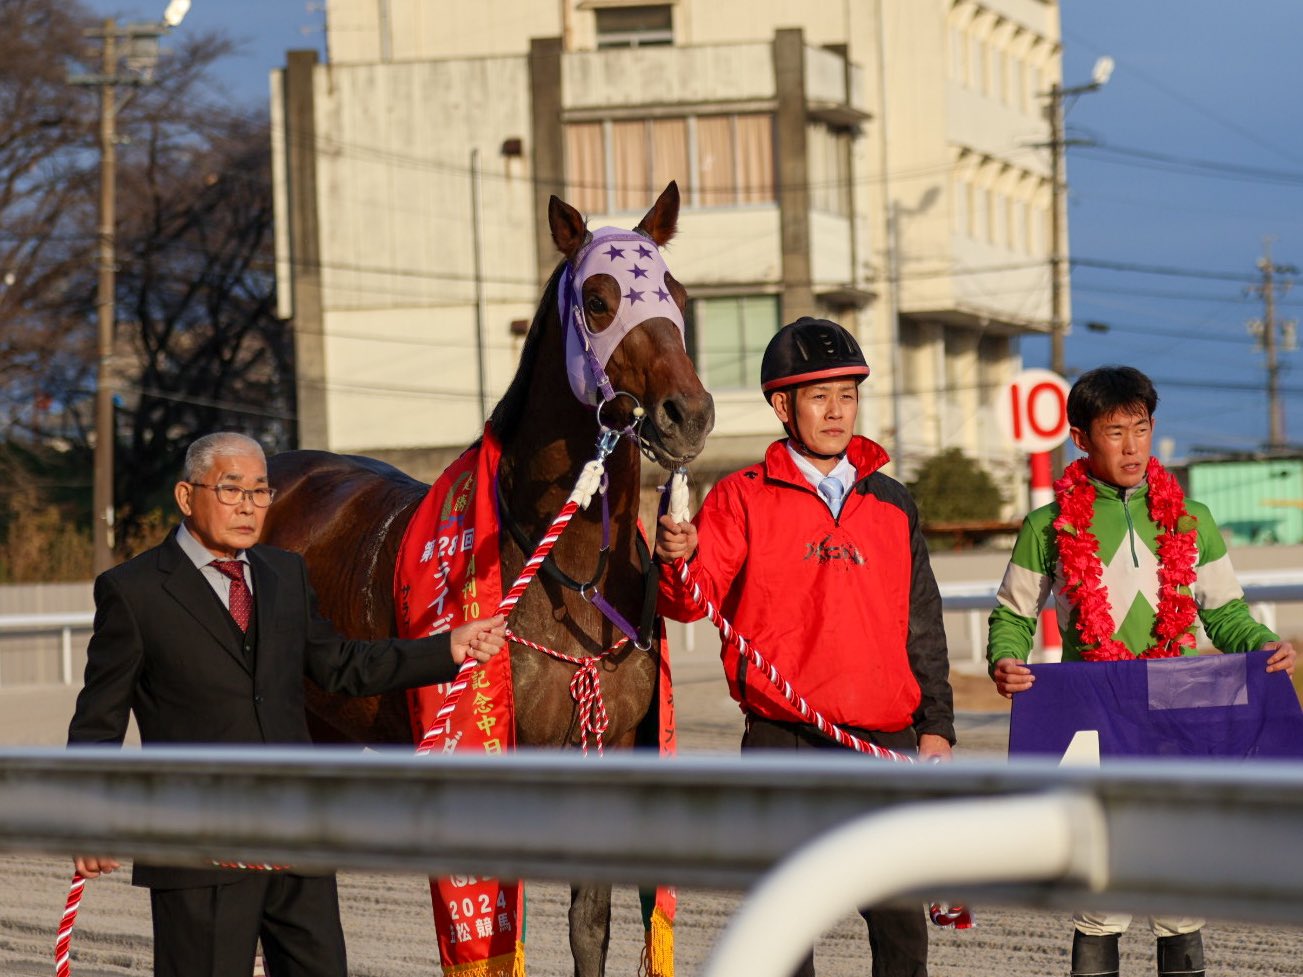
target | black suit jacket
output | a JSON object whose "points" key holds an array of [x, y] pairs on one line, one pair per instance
{"points": [[165, 648]]}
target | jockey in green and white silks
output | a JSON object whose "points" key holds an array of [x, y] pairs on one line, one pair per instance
{"points": [[1127, 550]]}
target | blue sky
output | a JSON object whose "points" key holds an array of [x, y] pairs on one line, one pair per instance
{"points": [[1196, 82], [264, 30]]}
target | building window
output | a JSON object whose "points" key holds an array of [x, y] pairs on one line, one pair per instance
{"points": [[734, 160], [718, 161], [959, 213], [635, 26], [981, 214], [586, 167], [1019, 86], [958, 55], [1000, 69], [829, 169], [730, 338]]}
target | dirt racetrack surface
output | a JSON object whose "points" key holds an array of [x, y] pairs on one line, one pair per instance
{"points": [[387, 917]]}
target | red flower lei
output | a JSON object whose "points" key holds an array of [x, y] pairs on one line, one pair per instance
{"points": [[1083, 572]]}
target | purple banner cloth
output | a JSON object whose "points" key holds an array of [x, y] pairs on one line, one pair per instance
{"points": [[1212, 706]]}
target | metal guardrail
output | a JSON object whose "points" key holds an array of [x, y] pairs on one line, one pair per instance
{"points": [[1199, 838]]}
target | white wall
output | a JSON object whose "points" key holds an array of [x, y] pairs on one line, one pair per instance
{"points": [[398, 275]]}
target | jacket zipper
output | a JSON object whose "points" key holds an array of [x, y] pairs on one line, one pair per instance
{"points": [[1131, 526]]}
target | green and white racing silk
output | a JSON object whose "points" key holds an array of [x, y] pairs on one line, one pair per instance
{"points": [[1128, 551]]}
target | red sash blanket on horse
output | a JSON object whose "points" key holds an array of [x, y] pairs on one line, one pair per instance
{"points": [[449, 572]]}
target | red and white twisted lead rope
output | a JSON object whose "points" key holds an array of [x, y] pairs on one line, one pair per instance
{"points": [[942, 914], [589, 482], [677, 489], [63, 942], [585, 689], [794, 699]]}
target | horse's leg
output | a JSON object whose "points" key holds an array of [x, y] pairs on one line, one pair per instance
{"points": [[590, 928]]}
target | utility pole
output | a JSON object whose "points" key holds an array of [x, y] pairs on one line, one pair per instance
{"points": [[477, 259], [1058, 294], [1058, 221], [1265, 329], [142, 55], [105, 434]]}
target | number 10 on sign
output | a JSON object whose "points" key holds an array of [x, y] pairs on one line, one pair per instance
{"points": [[1033, 410]]}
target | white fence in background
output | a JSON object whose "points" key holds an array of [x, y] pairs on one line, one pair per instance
{"points": [[842, 832], [969, 602], [1263, 590], [66, 625]]}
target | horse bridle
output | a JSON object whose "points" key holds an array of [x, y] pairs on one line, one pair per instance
{"points": [[587, 354], [644, 634]]}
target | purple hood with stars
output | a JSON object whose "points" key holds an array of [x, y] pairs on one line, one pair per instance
{"points": [[638, 268]]}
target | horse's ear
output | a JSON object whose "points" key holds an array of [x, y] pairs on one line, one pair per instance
{"points": [[662, 220], [569, 229]]}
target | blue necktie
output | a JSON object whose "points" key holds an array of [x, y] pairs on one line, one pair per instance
{"points": [[832, 489]]}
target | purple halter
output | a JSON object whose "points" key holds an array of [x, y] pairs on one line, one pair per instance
{"points": [[638, 268]]}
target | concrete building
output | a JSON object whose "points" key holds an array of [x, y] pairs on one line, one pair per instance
{"points": [[880, 162]]}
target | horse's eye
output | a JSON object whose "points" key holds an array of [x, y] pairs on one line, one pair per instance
{"points": [[595, 305]]}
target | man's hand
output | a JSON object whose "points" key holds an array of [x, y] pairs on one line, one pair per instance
{"points": [[92, 867], [480, 640], [1011, 676], [933, 748], [1283, 659], [675, 540]]}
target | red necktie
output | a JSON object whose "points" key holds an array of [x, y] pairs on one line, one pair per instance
{"points": [[241, 601]]}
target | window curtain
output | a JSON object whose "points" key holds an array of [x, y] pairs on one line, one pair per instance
{"points": [[669, 157], [755, 142], [715, 166], [632, 177], [586, 168]]}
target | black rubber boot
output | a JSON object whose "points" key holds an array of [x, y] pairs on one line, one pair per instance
{"points": [[1094, 956], [1181, 956]]}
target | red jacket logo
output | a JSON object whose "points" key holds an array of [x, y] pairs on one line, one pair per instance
{"points": [[826, 551]]}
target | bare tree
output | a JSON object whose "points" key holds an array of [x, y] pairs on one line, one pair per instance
{"points": [[197, 340], [197, 287], [47, 180]]}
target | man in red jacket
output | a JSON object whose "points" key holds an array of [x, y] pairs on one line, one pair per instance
{"points": [[816, 557]]}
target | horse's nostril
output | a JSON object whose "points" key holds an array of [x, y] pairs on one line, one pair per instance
{"points": [[673, 413]]}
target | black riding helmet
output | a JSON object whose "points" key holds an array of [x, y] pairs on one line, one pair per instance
{"points": [[808, 350]]}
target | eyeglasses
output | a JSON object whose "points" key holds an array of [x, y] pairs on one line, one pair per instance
{"points": [[229, 494]]}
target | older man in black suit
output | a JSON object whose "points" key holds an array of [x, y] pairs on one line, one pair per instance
{"points": [[207, 638]]}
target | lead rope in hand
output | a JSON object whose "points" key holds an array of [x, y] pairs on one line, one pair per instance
{"points": [[678, 510], [942, 914], [63, 942], [589, 482]]}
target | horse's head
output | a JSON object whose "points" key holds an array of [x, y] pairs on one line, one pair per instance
{"points": [[623, 315]]}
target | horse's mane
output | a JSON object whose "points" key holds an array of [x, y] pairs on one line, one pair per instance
{"points": [[507, 413]]}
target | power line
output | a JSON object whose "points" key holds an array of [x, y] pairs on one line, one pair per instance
{"points": [[1240, 278], [1149, 159], [1200, 297], [1182, 334], [1176, 94]]}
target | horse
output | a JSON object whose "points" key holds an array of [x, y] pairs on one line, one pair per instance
{"points": [[346, 515]]}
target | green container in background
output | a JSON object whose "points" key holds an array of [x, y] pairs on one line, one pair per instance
{"points": [[1254, 502]]}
